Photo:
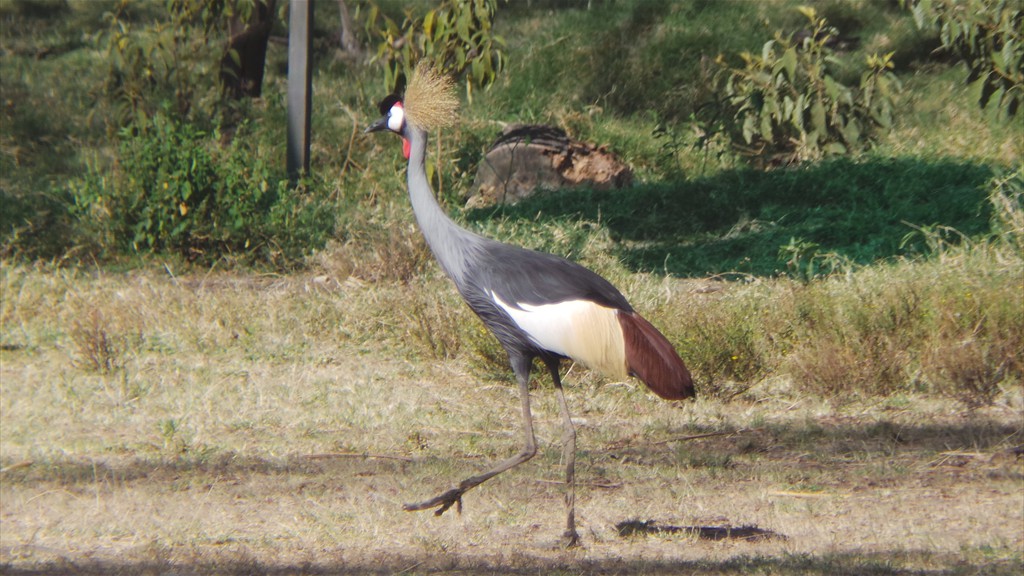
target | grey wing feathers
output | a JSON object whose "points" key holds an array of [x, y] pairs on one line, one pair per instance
{"points": [[523, 276]]}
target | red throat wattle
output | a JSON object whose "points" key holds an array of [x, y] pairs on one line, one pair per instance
{"points": [[405, 148]]}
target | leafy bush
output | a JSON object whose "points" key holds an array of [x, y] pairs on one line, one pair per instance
{"points": [[176, 189], [786, 105], [987, 36], [456, 36], [155, 63]]}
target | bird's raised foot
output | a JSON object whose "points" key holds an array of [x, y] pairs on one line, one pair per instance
{"points": [[442, 502]]}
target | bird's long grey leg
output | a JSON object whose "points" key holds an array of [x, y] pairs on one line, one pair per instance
{"points": [[521, 367], [568, 456]]}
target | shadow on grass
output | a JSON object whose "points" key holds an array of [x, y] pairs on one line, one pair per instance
{"points": [[515, 562], [737, 221], [825, 451], [85, 471], [814, 441]]}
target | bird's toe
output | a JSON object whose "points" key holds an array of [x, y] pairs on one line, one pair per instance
{"points": [[443, 502]]}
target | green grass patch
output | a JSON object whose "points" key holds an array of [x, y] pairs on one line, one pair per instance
{"points": [[742, 221]]}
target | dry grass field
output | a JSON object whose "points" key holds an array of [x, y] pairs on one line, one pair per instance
{"points": [[240, 424]]}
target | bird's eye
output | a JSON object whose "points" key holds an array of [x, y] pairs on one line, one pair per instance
{"points": [[396, 117]]}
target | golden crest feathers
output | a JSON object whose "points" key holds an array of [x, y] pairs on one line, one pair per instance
{"points": [[430, 101]]}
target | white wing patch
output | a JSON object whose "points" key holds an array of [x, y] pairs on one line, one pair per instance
{"points": [[580, 329]]}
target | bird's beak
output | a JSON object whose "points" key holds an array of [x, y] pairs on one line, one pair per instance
{"points": [[377, 126]]}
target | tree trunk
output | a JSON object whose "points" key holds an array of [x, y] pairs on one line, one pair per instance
{"points": [[346, 33], [241, 68]]}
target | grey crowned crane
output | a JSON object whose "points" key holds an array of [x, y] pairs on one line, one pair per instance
{"points": [[536, 304]]}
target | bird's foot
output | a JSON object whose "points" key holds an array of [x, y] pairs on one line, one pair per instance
{"points": [[570, 539], [442, 502]]}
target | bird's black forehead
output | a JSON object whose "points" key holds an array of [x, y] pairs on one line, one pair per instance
{"points": [[389, 101]]}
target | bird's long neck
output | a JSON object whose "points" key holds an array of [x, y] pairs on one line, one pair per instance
{"points": [[449, 243]]}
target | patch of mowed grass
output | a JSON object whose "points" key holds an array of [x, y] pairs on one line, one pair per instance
{"points": [[440, 554], [738, 221]]}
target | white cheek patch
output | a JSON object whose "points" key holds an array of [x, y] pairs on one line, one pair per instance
{"points": [[396, 117], [579, 329]]}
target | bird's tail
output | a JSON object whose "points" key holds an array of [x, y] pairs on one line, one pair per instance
{"points": [[653, 359]]}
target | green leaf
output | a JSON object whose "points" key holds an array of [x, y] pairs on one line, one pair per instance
{"points": [[809, 12], [748, 129], [884, 117], [835, 148], [476, 69], [831, 87], [851, 132], [428, 23], [998, 60], [818, 117], [462, 26], [1011, 57], [766, 127], [883, 84], [788, 63]]}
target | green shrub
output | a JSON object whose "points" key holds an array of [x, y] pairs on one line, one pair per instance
{"points": [[176, 189], [786, 104], [986, 35]]}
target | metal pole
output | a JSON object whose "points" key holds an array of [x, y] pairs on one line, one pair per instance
{"points": [[300, 85]]}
